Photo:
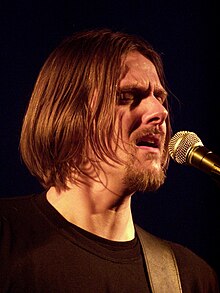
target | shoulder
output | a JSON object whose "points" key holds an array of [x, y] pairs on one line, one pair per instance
{"points": [[194, 269], [15, 211], [196, 274], [14, 205], [21, 226]]}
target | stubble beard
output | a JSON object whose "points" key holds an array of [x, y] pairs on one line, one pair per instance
{"points": [[139, 177]]}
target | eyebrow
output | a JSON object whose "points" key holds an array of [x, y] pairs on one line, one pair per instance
{"points": [[135, 87]]}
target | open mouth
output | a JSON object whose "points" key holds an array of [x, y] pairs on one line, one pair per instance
{"points": [[148, 141]]}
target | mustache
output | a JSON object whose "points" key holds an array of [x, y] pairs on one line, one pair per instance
{"points": [[153, 131]]}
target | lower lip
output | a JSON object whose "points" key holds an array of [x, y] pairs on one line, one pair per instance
{"points": [[149, 149]]}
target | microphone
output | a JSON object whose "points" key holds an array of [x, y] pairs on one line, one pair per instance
{"points": [[186, 148]]}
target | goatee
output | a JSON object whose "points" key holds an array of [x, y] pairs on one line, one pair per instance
{"points": [[143, 179]]}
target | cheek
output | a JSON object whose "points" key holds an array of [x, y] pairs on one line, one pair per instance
{"points": [[122, 124]]}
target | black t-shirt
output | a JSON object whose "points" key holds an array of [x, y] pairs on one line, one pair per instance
{"points": [[42, 252]]}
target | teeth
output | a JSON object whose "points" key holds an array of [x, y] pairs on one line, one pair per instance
{"points": [[147, 141]]}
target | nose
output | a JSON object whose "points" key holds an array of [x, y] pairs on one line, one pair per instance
{"points": [[153, 111]]}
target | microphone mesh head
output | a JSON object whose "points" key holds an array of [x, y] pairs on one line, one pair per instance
{"points": [[181, 143]]}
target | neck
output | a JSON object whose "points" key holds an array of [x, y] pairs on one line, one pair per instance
{"points": [[96, 209]]}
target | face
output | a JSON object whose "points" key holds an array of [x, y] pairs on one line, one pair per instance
{"points": [[141, 125], [140, 130]]}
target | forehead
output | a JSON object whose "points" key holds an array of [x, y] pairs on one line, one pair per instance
{"points": [[139, 71]]}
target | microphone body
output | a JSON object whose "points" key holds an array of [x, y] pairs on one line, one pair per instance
{"points": [[186, 148], [205, 160]]}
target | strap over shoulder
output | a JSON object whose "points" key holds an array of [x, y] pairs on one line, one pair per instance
{"points": [[160, 262]]}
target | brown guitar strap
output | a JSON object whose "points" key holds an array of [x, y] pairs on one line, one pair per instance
{"points": [[160, 262]]}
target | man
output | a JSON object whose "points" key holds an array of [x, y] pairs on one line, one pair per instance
{"points": [[96, 131]]}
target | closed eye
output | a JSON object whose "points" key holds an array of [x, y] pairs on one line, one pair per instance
{"points": [[130, 96], [160, 96]]}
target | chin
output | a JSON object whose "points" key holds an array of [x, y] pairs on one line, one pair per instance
{"points": [[144, 179]]}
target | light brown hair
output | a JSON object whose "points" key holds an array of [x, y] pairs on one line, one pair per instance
{"points": [[59, 123]]}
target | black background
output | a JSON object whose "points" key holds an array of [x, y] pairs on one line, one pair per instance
{"points": [[186, 208]]}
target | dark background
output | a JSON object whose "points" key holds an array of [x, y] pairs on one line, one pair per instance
{"points": [[186, 208]]}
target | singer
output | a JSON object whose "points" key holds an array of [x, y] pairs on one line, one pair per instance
{"points": [[96, 131]]}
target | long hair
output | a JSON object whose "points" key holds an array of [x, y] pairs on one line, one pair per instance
{"points": [[59, 123]]}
